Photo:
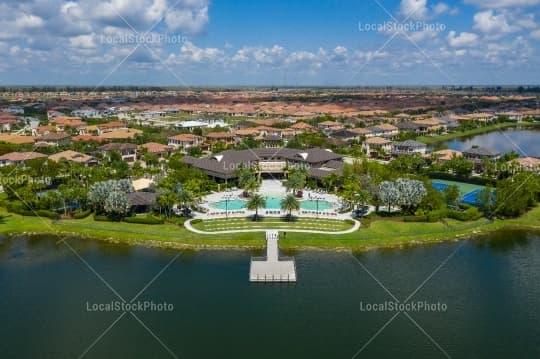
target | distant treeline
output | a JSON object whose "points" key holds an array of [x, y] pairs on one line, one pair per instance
{"points": [[471, 89]]}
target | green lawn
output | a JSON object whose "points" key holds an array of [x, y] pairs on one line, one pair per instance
{"points": [[330, 225], [375, 234]]}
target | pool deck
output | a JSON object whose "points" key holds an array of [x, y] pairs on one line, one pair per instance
{"points": [[269, 188]]}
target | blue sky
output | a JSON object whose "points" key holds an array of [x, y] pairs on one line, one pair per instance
{"points": [[265, 42]]}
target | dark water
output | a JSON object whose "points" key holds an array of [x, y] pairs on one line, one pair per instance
{"points": [[524, 142], [491, 289]]}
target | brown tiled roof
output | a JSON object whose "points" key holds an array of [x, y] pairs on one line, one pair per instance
{"points": [[185, 137], [16, 139], [153, 147], [21, 156], [88, 138], [377, 141], [52, 136], [72, 156]]}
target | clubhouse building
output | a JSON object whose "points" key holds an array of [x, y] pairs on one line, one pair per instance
{"points": [[268, 161]]}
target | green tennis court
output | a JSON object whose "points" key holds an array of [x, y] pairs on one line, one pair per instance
{"points": [[464, 188]]}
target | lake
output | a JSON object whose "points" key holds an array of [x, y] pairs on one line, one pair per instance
{"points": [[489, 290], [524, 142]]}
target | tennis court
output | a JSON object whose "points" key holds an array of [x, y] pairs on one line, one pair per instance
{"points": [[469, 192]]}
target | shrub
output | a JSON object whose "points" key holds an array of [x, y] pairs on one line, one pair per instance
{"points": [[415, 219], [471, 214], [144, 220], [82, 214], [47, 214], [102, 218], [179, 221]]}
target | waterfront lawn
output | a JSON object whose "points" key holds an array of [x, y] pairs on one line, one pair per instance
{"points": [[378, 233], [319, 224]]}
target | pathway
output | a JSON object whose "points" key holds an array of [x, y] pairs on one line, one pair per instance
{"points": [[356, 226]]}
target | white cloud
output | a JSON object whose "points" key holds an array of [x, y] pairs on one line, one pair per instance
{"points": [[464, 39], [83, 42], [503, 3], [27, 21], [414, 9], [488, 22], [535, 34], [441, 8]]}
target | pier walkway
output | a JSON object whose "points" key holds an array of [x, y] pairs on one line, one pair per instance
{"points": [[272, 268]]}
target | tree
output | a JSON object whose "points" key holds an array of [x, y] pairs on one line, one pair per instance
{"points": [[166, 201], [452, 195], [255, 202], [110, 196], [388, 193], [296, 181], [517, 193], [290, 203], [485, 200], [411, 193], [117, 203], [186, 199]]}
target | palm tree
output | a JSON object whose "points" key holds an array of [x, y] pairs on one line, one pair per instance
{"points": [[255, 202], [296, 181], [251, 186], [289, 204], [186, 199]]}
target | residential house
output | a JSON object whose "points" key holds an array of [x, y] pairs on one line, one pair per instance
{"points": [[373, 146], [16, 139], [411, 127], [227, 138], [62, 123], [121, 134], [529, 164], [327, 126], [7, 122], [157, 148], [444, 155], [128, 151], [73, 156], [185, 141], [19, 158], [408, 147], [477, 153], [53, 139]]}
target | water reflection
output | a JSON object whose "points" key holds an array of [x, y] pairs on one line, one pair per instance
{"points": [[523, 142]]}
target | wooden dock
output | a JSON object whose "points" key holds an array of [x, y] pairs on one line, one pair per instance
{"points": [[272, 268]]}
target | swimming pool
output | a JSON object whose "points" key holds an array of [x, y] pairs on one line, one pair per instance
{"points": [[271, 203], [231, 205]]}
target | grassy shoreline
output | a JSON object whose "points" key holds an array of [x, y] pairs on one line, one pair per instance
{"points": [[475, 131], [378, 234]]}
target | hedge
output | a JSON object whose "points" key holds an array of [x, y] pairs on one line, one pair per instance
{"points": [[473, 180], [144, 220], [47, 214], [470, 214], [102, 218], [82, 214]]}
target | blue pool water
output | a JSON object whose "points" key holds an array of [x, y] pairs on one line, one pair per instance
{"points": [[232, 205], [311, 205], [271, 203]]}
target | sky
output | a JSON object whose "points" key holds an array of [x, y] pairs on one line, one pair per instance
{"points": [[269, 42]]}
